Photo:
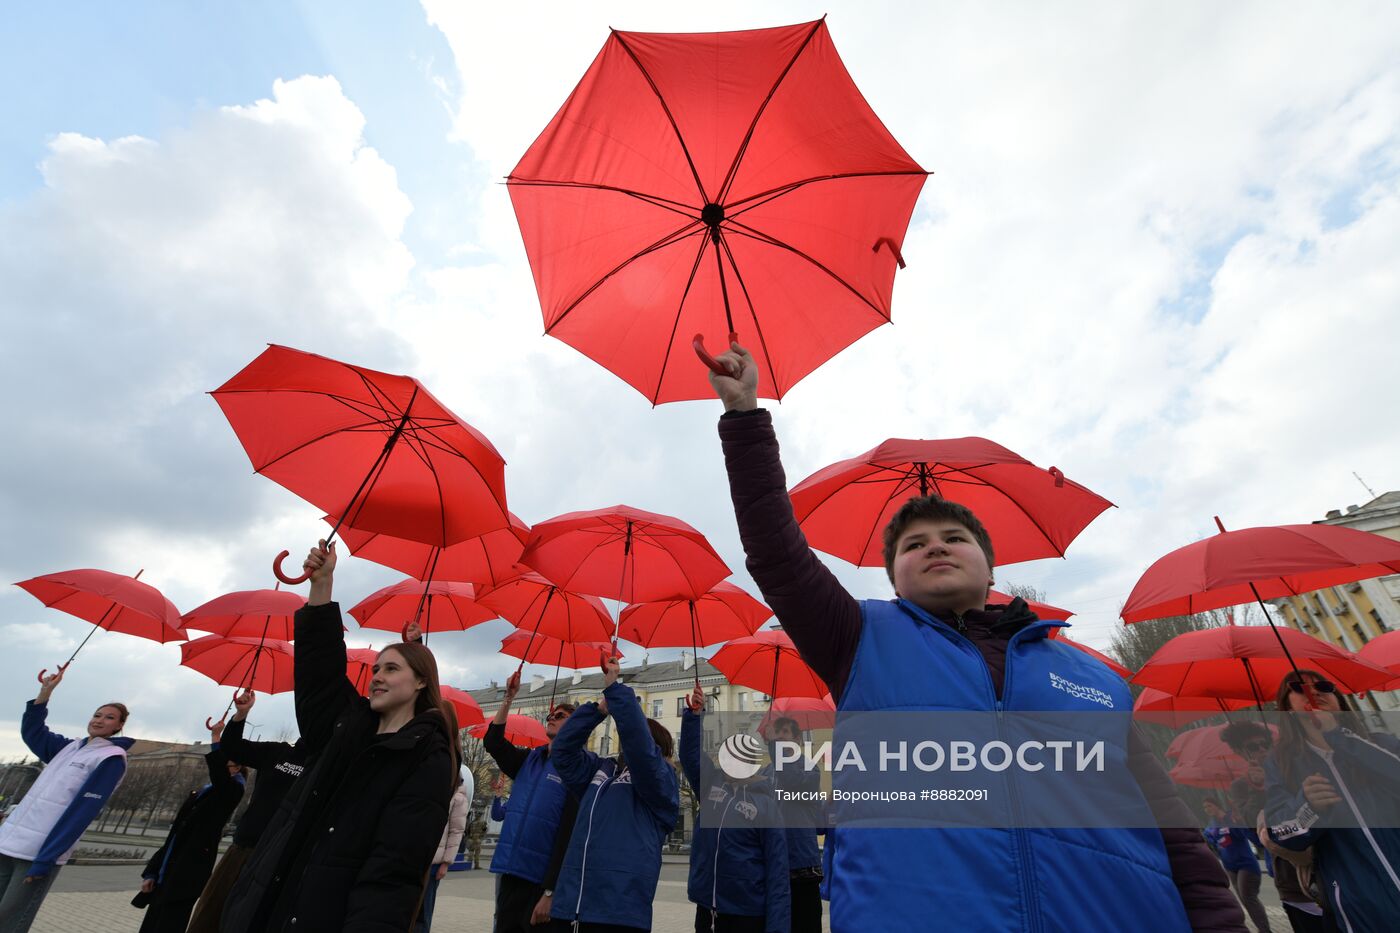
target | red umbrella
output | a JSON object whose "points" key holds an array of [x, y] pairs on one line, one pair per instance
{"points": [[359, 667], [1029, 512], [1204, 760], [1043, 611], [1254, 564], [251, 613], [1248, 663], [724, 613], [439, 606], [1384, 651], [520, 730], [376, 450], [768, 661], [1099, 656], [541, 649], [111, 601], [468, 710], [625, 554], [1153, 705], [533, 604], [486, 559], [242, 662], [808, 712], [712, 184]]}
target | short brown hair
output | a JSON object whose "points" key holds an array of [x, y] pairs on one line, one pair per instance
{"points": [[933, 509]]}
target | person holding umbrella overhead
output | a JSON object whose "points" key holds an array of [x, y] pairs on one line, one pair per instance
{"points": [[537, 822], [936, 646], [351, 848], [1331, 786], [177, 872], [79, 778], [279, 765]]}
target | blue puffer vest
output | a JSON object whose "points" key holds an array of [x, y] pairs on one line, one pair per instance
{"points": [[532, 820], [970, 879]]}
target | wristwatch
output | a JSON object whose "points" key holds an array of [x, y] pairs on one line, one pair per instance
{"points": [[548, 892]]}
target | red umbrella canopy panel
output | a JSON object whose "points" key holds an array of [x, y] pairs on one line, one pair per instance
{"points": [[709, 183]]}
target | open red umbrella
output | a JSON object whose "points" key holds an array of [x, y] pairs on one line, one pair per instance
{"points": [[359, 667], [1029, 512], [1165, 709], [1203, 759], [1043, 611], [440, 606], [624, 554], [531, 603], [1248, 663], [541, 649], [1253, 564], [768, 661], [724, 613], [714, 183], [376, 450], [111, 601], [520, 730], [248, 613], [464, 705], [808, 712], [486, 559], [1384, 651], [242, 662]]}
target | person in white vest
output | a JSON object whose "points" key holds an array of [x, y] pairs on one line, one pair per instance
{"points": [[79, 777]]}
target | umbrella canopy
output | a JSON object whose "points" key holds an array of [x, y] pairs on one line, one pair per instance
{"points": [[520, 730], [464, 705], [1248, 663], [1028, 512], [486, 559], [240, 661], [359, 667], [251, 613], [533, 604], [1204, 760], [1254, 564], [1154, 705], [724, 613], [1099, 656], [808, 712], [711, 184], [440, 606], [625, 554], [541, 649], [376, 450], [769, 661], [1043, 611], [1384, 651]]}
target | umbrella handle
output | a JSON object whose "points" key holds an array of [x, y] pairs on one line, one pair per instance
{"points": [[209, 723], [61, 669], [715, 365], [280, 574]]}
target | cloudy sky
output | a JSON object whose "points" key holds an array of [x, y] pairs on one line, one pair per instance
{"points": [[1158, 251]]}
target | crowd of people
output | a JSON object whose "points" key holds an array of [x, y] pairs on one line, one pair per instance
{"points": [[353, 826]]}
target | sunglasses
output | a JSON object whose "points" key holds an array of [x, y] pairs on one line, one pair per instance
{"points": [[557, 714], [1258, 745], [1321, 686]]}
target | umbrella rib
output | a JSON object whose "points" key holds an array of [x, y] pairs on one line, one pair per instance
{"points": [[753, 124], [898, 487], [752, 233], [685, 150], [675, 325], [653, 199], [753, 314], [763, 197], [668, 240], [310, 441], [1029, 517]]}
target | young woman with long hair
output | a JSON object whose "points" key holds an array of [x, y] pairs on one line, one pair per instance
{"points": [[352, 843], [1332, 786], [81, 775]]}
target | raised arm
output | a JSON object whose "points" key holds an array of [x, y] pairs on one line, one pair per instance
{"points": [[653, 778], [322, 689], [823, 619], [574, 762], [692, 752], [42, 741], [510, 758], [256, 755]]}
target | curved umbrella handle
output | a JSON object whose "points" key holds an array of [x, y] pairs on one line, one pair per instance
{"points": [[716, 367], [61, 668], [209, 723], [280, 574]]}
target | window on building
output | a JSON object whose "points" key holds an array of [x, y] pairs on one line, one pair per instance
{"points": [[658, 709], [1360, 632], [743, 700], [1375, 614], [680, 706]]}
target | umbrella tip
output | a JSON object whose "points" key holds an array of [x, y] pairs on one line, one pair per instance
{"points": [[1219, 524]]}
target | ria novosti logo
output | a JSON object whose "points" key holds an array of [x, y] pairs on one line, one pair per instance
{"points": [[741, 756]]}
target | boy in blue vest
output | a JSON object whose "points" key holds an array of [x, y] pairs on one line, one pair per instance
{"points": [[938, 645], [539, 819]]}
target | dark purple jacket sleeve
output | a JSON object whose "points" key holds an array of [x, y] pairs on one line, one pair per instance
{"points": [[1210, 905], [814, 608]]}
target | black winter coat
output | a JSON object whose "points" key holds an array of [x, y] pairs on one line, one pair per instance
{"points": [[352, 842], [279, 766], [193, 840]]}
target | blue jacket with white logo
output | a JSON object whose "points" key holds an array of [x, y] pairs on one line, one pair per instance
{"points": [[970, 877], [625, 813], [735, 866], [531, 821]]}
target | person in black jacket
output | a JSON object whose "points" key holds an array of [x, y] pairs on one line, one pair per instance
{"points": [[279, 765], [176, 873], [352, 843]]}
